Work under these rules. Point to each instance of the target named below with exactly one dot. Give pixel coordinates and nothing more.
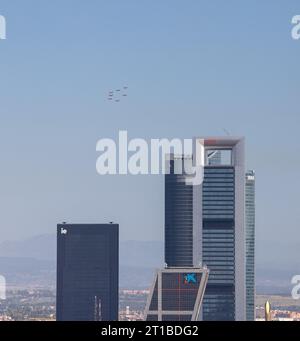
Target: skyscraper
(205, 226)
(250, 245)
(181, 233)
(221, 218)
(87, 272)
(177, 291)
(176, 294)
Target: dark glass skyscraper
(250, 245)
(219, 242)
(180, 236)
(87, 272)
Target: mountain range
(32, 262)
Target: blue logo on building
(190, 278)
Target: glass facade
(218, 242)
(213, 158)
(205, 226)
(176, 295)
(178, 219)
(250, 245)
(87, 272)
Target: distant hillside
(42, 247)
(142, 253)
(271, 256)
(30, 272)
(132, 253)
(32, 261)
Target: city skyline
(149, 163)
(206, 225)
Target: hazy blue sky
(193, 68)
